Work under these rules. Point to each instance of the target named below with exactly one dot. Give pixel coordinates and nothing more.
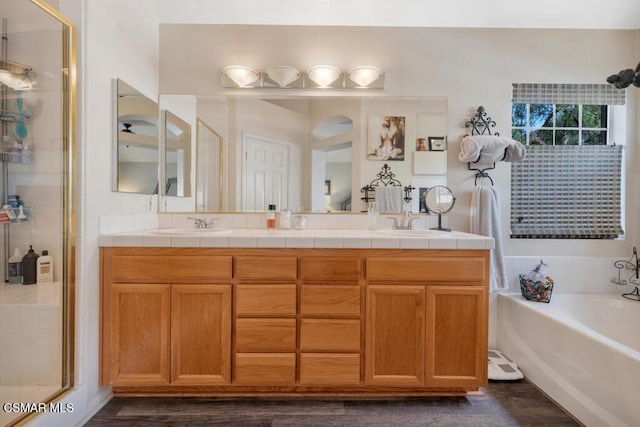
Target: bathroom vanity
(293, 320)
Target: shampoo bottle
(29, 267)
(44, 265)
(15, 267)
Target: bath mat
(502, 368)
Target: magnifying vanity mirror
(136, 145)
(439, 200)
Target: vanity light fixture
(317, 77)
(283, 75)
(241, 76)
(364, 75)
(323, 75)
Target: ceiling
(569, 14)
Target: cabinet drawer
(266, 268)
(329, 268)
(329, 334)
(265, 368)
(471, 269)
(266, 300)
(330, 300)
(170, 269)
(329, 368)
(266, 335)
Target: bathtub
(582, 350)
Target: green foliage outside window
(559, 124)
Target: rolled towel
(490, 149)
(516, 151)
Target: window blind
(567, 93)
(567, 192)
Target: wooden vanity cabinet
(156, 332)
(265, 320)
(427, 321)
(290, 321)
(330, 320)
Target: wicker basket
(535, 290)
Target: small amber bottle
(271, 216)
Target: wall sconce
(317, 77)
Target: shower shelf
(14, 67)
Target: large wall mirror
(136, 144)
(305, 153)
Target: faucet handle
(395, 222)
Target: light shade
(365, 75)
(323, 75)
(283, 75)
(242, 76)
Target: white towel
(490, 149)
(485, 220)
(389, 199)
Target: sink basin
(191, 231)
(413, 233)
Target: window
(559, 124)
(569, 184)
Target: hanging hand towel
(485, 221)
(389, 199)
(490, 149)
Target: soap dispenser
(29, 267)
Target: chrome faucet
(406, 221)
(201, 223)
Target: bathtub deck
(502, 404)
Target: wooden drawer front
(265, 368)
(473, 269)
(330, 268)
(266, 268)
(330, 300)
(266, 300)
(169, 269)
(266, 335)
(329, 368)
(329, 334)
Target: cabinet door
(139, 334)
(395, 335)
(200, 334)
(456, 336)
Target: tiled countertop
(310, 238)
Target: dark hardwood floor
(513, 403)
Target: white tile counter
(310, 238)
